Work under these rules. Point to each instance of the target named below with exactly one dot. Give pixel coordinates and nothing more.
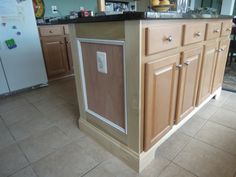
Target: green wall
(65, 6)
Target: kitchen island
(139, 80)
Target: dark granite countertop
(136, 16)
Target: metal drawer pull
(220, 50)
(169, 39)
(198, 34)
(216, 31)
(187, 62)
(50, 31)
(179, 66)
(228, 29)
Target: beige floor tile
(155, 168)
(70, 161)
(225, 117)
(171, 147)
(192, 126)
(70, 128)
(207, 111)
(11, 160)
(218, 136)
(26, 128)
(220, 101)
(206, 161)
(230, 103)
(175, 171)
(99, 171)
(40, 145)
(26, 172)
(91, 147)
(21, 113)
(5, 137)
(11, 102)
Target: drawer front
(66, 29)
(163, 38)
(194, 33)
(226, 28)
(213, 30)
(51, 30)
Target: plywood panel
(105, 92)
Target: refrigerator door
(24, 65)
(3, 82)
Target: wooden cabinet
(55, 56)
(207, 71)
(56, 50)
(160, 98)
(220, 64)
(188, 82)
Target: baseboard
(118, 149)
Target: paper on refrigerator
(8, 8)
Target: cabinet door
(220, 64)
(160, 97)
(188, 83)
(55, 56)
(207, 71)
(69, 53)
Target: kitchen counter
(135, 16)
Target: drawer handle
(228, 29)
(220, 50)
(179, 66)
(198, 34)
(50, 31)
(187, 62)
(170, 39)
(216, 31)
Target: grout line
(185, 169)
(223, 125)
(34, 170)
(92, 169)
(219, 148)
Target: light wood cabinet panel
(207, 71)
(220, 64)
(55, 56)
(160, 97)
(213, 30)
(188, 82)
(226, 28)
(194, 32)
(51, 30)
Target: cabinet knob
(50, 31)
(216, 31)
(228, 29)
(198, 34)
(220, 50)
(170, 38)
(187, 62)
(179, 66)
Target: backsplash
(64, 7)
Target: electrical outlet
(54, 9)
(102, 62)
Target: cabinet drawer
(51, 30)
(194, 33)
(163, 38)
(213, 30)
(226, 28)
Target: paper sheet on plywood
(8, 8)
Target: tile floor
(39, 138)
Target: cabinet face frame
(152, 69)
(103, 119)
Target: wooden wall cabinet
(160, 97)
(56, 50)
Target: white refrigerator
(21, 59)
